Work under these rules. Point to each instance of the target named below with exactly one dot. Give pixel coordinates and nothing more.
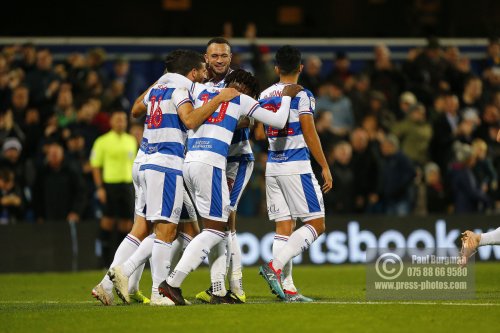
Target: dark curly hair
(243, 77)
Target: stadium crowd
(411, 137)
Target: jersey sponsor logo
(286, 131)
(272, 107)
(156, 114)
(202, 144)
(279, 157)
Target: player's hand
(292, 90)
(228, 94)
(498, 136)
(328, 180)
(101, 195)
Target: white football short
(139, 190)
(295, 197)
(208, 188)
(164, 193)
(238, 174)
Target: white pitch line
(264, 302)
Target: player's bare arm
(258, 131)
(97, 176)
(314, 145)
(193, 118)
(498, 136)
(139, 109)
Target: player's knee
(285, 228)
(140, 229)
(318, 225)
(215, 225)
(189, 228)
(165, 231)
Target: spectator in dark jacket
(59, 189)
(397, 173)
(436, 196)
(467, 192)
(341, 199)
(364, 166)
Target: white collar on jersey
(176, 80)
(219, 84)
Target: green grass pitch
(61, 302)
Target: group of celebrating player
(196, 158)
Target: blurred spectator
(133, 83)
(114, 97)
(262, 59)
(491, 65)
(59, 190)
(445, 130)
(84, 123)
(364, 167)
(437, 108)
(342, 71)
(426, 71)
(436, 197)
(27, 62)
(471, 97)
(310, 77)
(325, 130)
(77, 70)
(371, 125)
(332, 99)
(77, 155)
(33, 129)
(10, 159)
(385, 75)
(483, 169)
(468, 195)
(490, 123)
(9, 128)
(341, 200)
(406, 101)
(378, 108)
(93, 86)
(10, 198)
(43, 82)
(458, 69)
(95, 60)
(415, 134)
(397, 175)
(469, 123)
(64, 109)
(360, 97)
(19, 103)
